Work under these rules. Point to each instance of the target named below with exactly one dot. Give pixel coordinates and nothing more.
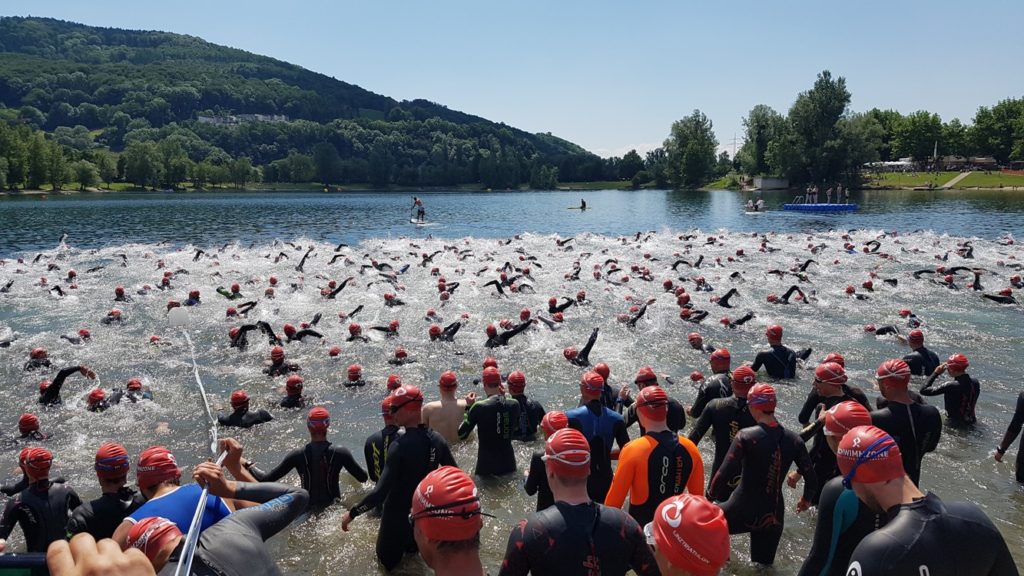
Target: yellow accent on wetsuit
(631, 475)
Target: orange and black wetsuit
(656, 466)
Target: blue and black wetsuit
(601, 426)
(843, 521)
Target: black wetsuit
(319, 465)
(449, 332)
(296, 401)
(410, 458)
(241, 341)
(1012, 431)
(568, 302)
(530, 415)
(244, 418)
(823, 459)
(960, 395)
(503, 338)
(113, 399)
(376, 448)
(602, 426)
(37, 364)
(717, 386)
(582, 539)
(675, 421)
(302, 334)
(583, 357)
(537, 482)
(496, 417)
(281, 368)
(922, 361)
(725, 417)
(916, 428)
(843, 521)
(42, 511)
(102, 516)
(813, 399)
(235, 545)
(778, 362)
(51, 395)
(763, 453)
(928, 537)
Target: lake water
(151, 227)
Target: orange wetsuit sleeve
(695, 484)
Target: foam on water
(957, 321)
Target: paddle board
(417, 222)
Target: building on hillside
(229, 120)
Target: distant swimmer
(278, 366)
(779, 361)
(495, 339)
(234, 294)
(554, 306)
(49, 392)
(921, 360)
(773, 299)
(1005, 296)
(446, 334)
(581, 357)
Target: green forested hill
(103, 88)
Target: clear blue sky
(614, 75)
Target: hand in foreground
(802, 504)
(792, 478)
(86, 557)
(345, 521)
(211, 475)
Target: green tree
(691, 149)
(888, 120)
(917, 135)
(761, 126)
(38, 162)
(860, 138)
(811, 151)
(955, 139)
(57, 166)
(105, 165)
(301, 167)
(143, 164)
(724, 164)
(380, 165)
(327, 163)
(630, 164)
(86, 174)
(656, 163)
(999, 130)
(240, 172)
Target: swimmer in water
(241, 416)
(960, 395)
(494, 339)
(277, 365)
(581, 357)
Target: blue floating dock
(820, 207)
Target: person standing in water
(421, 213)
(583, 204)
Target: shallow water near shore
(146, 228)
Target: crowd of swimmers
(609, 499)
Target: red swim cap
(318, 419)
(394, 382)
(268, 292)
(835, 357)
(592, 382)
(869, 328)
(400, 353)
(43, 385)
(85, 334)
(334, 351)
(682, 300)
(355, 329)
(434, 330)
(277, 353)
(39, 460)
(231, 312)
(134, 384)
(294, 385)
(156, 465)
(446, 506)
(667, 284)
(867, 285)
(491, 330)
(28, 423)
(894, 372)
(355, 371)
(289, 330)
(112, 461)
(762, 396)
(232, 333)
(445, 295)
(581, 295)
(1006, 292)
(567, 454)
(844, 417)
(694, 336)
(38, 353)
(491, 377)
(194, 294)
(948, 278)
(553, 422)
(524, 314)
(773, 298)
(916, 335)
(696, 376)
(170, 304)
(850, 290)
(645, 376)
(151, 535)
(517, 382)
(119, 291)
(273, 280)
(448, 380)
(957, 362)
(904, 312)
(558, 317)
(389, 296)
(407, 395)
(570, 352)
(652, 402)
(774, 332)
(724, 321)
(239, 398)
(830, 373)
(154, 339)
(742, 379)
(867, 455)
(490, 361)
(691, 533)
(96, 395)
(603, 369)
(720, 357)
(431, 312)
(235, 287)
